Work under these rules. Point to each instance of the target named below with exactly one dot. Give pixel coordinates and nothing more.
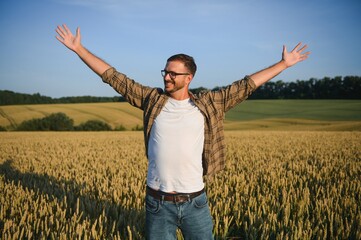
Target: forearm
(96, 64)
(267, 74)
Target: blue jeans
(192, 217)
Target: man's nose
(167, 76)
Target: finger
(284, 52)
(66, 28)
(78, 31)
(60, 32)
(303, 48)
(305, 55)
(297, 46)
(60, 39)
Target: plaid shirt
(212, 104)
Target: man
(183, 135)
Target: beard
(170, 86)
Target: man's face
(173, 82)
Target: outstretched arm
(72, 42)
(288, 59)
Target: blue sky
(228, 39)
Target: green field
(324, 115)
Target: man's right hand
(68, 39)
(72, 42)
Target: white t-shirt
(175, 148)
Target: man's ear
(189, 78)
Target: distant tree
(53, 122)
(137, 128)
(197, 90)
(94, 125)
(88, 99)
(352, 87)
(59, 122)
(35, 124)
(120, 128)
(12, 98)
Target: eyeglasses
(172, 74)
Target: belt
(173, 197)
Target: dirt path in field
(10, 119)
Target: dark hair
(188, 62)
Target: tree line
(12, 98)
(348, 87)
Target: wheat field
(276, 185)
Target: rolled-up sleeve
(234, 93)
(251, 83)
(106, 75)
(133, 92)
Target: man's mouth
(167, 83)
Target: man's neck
(179, 95)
